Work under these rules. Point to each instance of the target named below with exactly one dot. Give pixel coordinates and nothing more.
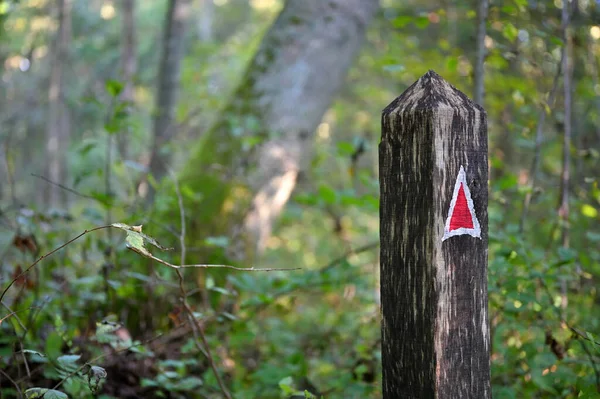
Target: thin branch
(207, 266)
(184, 296)
(13, 382)
(14, 313)
(574, 330)
(181, 217)
(539, 138)
(211, 360)
(66, 188)
(48, 254)
(592, 362)
(346, 255)
(22, 336)
(580, 334)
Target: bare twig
(356, 251)
(13, 382)
(22, 336)
(70, 190)
(207, 266)
(48, 254)
(199, 330)
(582, 335)
(14, 313)
(592, 362)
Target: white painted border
(476, 230)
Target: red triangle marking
(461, 217)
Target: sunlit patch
(24, 64)
(589, 211)
(263, 4)
(107, 11)
(518, 304)
(324, 131)
(595, 32)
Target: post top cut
(431, 92)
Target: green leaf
(327, 194)
(391, 68)
(114, 87)
(346, 148)
(286, 385)
(68, 363)
(592, 236)
(422, 22)
(33, 393)
(510, 32)
(136, 240)
(189, 383)
(40, 354)
(589, 211)
(219, 241)
(96, 375)
(401, 21)
(452, 64)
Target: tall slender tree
(168, 83)
(58, 127)
(565, 174)
(205, 22)
(482, 14)
(128, 62)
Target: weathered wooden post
(434, 240)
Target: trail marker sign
(461, 215)
(433, 174)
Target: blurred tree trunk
(58, 128)
(168, 84)
(128, 63)
(482, 14)
(246, 165)
(205, 24)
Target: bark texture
(435, 333)
(58, 130)
(168, 83)
(292, 80)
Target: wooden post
(434, 240)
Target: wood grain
(435, 333)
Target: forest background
(245, 133)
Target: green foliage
(311, 333)
(37, 393)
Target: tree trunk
(291, 82)
(482, 14)
(205, 23)
(168, 84)
(58, 131)
(128, 63)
